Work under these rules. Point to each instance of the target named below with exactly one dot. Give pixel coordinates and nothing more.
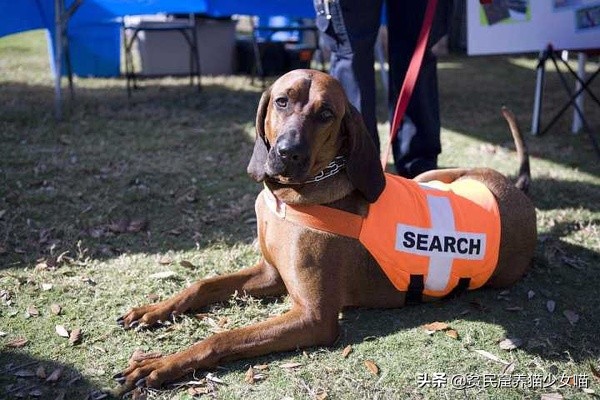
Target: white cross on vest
(442, 243)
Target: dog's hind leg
(260, 280)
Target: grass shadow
(523, 312)
(24, 376)
(552, 194)
(164, 170)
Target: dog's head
(303, 122)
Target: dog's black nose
(291, 151)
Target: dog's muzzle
(288, 158)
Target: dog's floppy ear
(257, 165)
(363, 165)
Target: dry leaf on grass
(54, 376)
(249, 376)
(153, 297)
(101, 395)
(64, 139)
(47, 287)
(198, 390)
(213, 378)
(163, 275)
(346, 352)
(595, 371)
(61, 331)
(574, 262)
(41, 266)
(510, 343)
(570, 381)
(508, 369)
(551, 305)
(88, 280)
(321, 394)
(40, 372)
(435, 326)
(514, 308)
(124, 225)
(139, 394)
(252, 376)
(551, 396)
(530, 294)
(24, 373)
(490, 356)
(165, 260)
(372, 367)
(119, 226)
(452, 333)
(572, 316)
(17, 343)
(215, 327)
(62, 257)
(55, 309)
(75, 336)
(187, 264)
(291, 365)
(440, 326)
(33, 311)
(137, 225)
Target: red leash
(411, 77)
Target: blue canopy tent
(94, 26)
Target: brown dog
(304, 122)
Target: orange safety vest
(444, 233)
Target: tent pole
(58, 40)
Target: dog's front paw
(151, 372)
(147, 315)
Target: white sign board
(519, 26)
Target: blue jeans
(351, 32)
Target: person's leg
(351, 33)
(418, 142)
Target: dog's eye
(281, 102)
(326, 115)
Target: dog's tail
(524, 177)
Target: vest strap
(459, 289)
(414, 293)
(316, 216)
(325, 219)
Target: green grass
(173, 160)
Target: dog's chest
(274, 232)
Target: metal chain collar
(335, 166)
